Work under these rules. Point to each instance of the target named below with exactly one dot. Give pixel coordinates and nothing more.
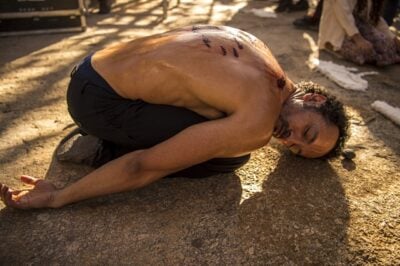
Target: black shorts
(126, 125)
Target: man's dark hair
(333, 111)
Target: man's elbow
(138, 175)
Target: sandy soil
(278, 209)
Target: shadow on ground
(175, 221)
(300, 216)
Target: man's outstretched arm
(116, 176)
(219, 138)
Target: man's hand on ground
(41, 195)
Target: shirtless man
(193, 101)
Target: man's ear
(313, 99)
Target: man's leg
(311, 20)
(147, 125)
(122, 125)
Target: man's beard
(281, 130)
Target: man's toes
(79, 149)
(8, 197)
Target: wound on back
(235, 52)
(223, 50)
(281, 82)
(240, 46)
(206, 41)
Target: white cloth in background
(267, 12)
(343, 76)
(393, 113)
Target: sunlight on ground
(126, 20)
(361, 134)
(32, 67)
(214, 13)
(254, 174)
(314, 52)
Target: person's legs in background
(105, 6)
(311, 20)
(291, 6)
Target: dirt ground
(278, 209)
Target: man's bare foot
(79, 148)
(41, 195)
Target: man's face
(305, 132)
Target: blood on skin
(235, 52)
(206, 41)
(223, 50)
(281, 82)
(240, 46)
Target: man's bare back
(214, 71)
(225, 75)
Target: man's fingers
(4, 192)
(6, 195)
(3, 189)
(8, 198)
(30, 180)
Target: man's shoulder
(258, 116)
